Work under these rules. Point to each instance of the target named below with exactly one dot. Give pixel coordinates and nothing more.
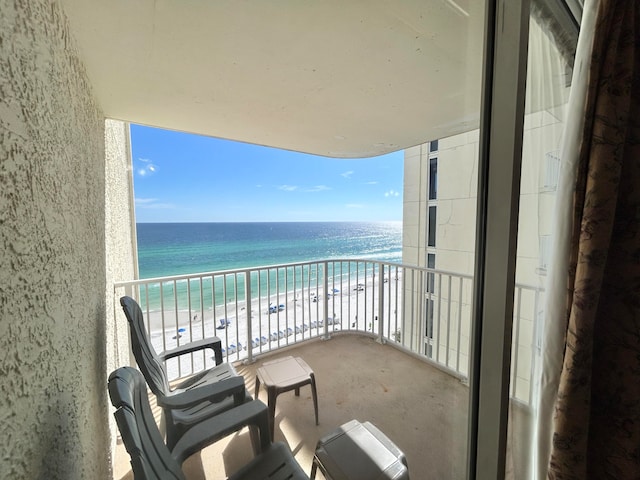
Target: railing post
(248, 303)
(325, 302)
(380, 315)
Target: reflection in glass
(548, 85)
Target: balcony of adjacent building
(388, 343)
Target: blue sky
(180, 177)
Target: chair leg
(163, 425)
(169, 430)
(255, 440)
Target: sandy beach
(282, 320)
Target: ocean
(284, 302)
(166, 249)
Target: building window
(431, 277)
(431, 234)
(433, 178)
(433, 146)
(428, 330)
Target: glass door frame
(500, 158)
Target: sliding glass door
(527, 81)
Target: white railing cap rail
(189, 276)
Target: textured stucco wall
(53, 407)
(119, 245)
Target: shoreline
(297, 315)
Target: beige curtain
(597, 410)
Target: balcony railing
(425, 312)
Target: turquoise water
(166, 249)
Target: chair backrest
(150, 457)
(146, 357)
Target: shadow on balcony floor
(422, 409)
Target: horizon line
(276, 221)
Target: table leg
(257, 387)
(314, 467)
(271, 404)
(315, 395)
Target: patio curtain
(596, 421)
(549, 363)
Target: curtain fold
(555, 308)
(597, 410)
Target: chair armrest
(212, 392)
(253, 413)
(212, 342)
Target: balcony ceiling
(341, 79)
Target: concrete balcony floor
(420, 408)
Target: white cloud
(391, 193)
(295, 188)
(146, 168)
(152, 203)
(318, 188)
(347, 174)
(140, 201)
(371, 183)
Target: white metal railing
(426, 312)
